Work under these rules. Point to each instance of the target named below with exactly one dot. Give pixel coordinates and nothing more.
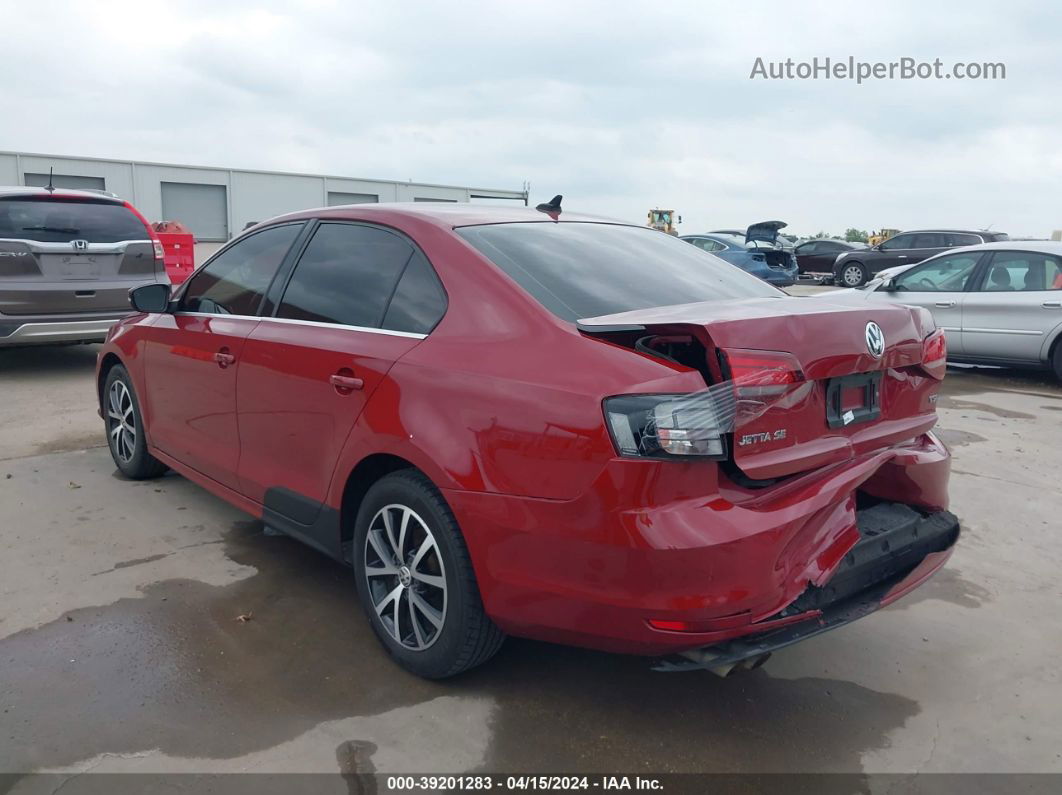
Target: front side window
(584, 270)
(346, 275)
(1023, 271)
(897, 243)
(234, 282)
(945, 274)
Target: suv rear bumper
(35, 332)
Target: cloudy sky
(619, 106)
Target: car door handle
(224, 358)
(346, 382)
(944, 304)
(901, 256)
(1052, 304)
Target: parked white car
(998, 303)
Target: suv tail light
(935, 354)
(160, 253)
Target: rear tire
(125, 428)
(853, 274)
(415, 579)
(1056, 360)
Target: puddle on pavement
(176, 671)
(958, 438)
(946, 402)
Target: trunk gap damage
(782, 422)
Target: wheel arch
(368, 471)
(107, 363)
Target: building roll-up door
(201, 208)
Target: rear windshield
(583, 270)
(60, 221)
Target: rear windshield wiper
(60, 230)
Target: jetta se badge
(875, 339)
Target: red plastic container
(178, 246)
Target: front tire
(1056, 360)
(853, 274)
(415, 579)
(125, 428)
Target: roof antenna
(50, 188)
(552, 207)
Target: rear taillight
(761, 373)
(159, 252)
(935, 354)
(667, 426)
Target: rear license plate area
(852, 399)
(73, 266)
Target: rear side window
(234, 282)
(583, 270)
(419, 301)
(60, 221)
(346, 275)
(959, 239)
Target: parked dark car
(545, 425)
(856, 268)
(818, 256)
(757, 250)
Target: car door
(1016, 306)
(807, 261)
(191, 357)
(309, 369)
(896, 250)
(940, 286)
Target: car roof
(446, 214)
(957, 231)
(1034, 246)
(17, 191)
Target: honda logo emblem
(79, 245)
(875, 339)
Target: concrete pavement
(122, 648)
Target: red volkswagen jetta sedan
(510, 421)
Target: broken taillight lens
(761, 373)
(666, 426)
(935, 354)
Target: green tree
(853, 235)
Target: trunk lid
(764, 231)
(845, 400)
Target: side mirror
(150, 298)
(889, 285)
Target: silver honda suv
(67, 262)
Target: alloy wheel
(405, 576)
(121, 421)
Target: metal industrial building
(216, 203)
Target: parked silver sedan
(998, 303)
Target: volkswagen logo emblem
(79, 245)
(875, 339)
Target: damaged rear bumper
(899, 549)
